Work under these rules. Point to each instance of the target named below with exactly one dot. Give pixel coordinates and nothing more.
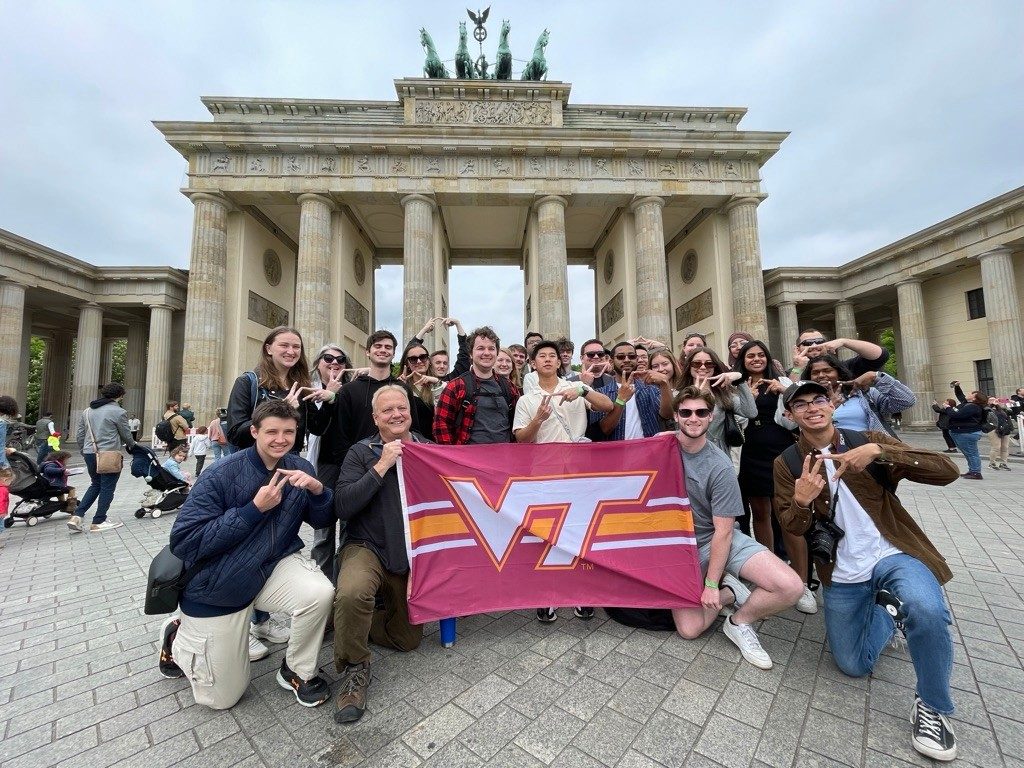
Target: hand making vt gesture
(270, 495)
(626, 388)
(810, 483)
(331, 388)
(292, 398)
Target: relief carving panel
(356, 313)
(454, 111)
(265, 312)
(696, 309)
(612, 312)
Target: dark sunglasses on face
(811, 342)
(331, 359)
(625, 357)
(594, 355)
(702, 413)
(702, 364)
(417, 358)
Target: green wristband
(620, 403)
(710, 584)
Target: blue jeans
(858, 629)
(44, 449)
(967, 442)
(217, 450)
(102, 486)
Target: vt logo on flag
(499, 527)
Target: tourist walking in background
(187, 414)
(176, 431)
(103, 426)
(999, 436)
(200, 447)
(44, 428)
(966, 420)
(218, 435)
(135, 426)
(942, 422)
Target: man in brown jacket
(881, 573)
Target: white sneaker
(274, 630)
(738, 588)
(807, 602)
(107, 525)
(745, 638)
(75, 524)
(257, 650)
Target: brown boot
(351, 701)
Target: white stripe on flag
(439, 545)
(532, 540)
(428, 505)
(629, 543)
(680, 500)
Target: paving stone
(666, 738)
(430, 697)
(480, 697)
(535, 695)
(585, 698)
(607, 736)
(571, 757)
(637, 699)
(828, 735)
(691, 701)
(780, 735)
(56, 751)
(549, 734)
(744, 703)
(728, 742)
(135, 743)
(514, 756)
(437, 729)
(492, 732)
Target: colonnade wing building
(296, 203)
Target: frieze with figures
(548, 166)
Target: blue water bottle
(447, 632)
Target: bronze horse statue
(463, 63)
(537, 68)
(433, 67)
(503, 66)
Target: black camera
(823, 539)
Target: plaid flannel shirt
(453, 424)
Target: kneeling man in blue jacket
(238, 535)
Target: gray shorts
(743, 548)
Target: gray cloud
(901, 114)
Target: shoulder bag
(107, 462)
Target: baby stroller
(38, 497)
(166, 492)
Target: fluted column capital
(1001, 251)
(639, 202)
(420, 197)
(317, 198)
(912, 280)
(211, 197)
(743, 200)
(549, 200)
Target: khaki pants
(999, 448)
(360, 576)
(214, 653)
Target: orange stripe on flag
(429, 526)
(645, 522)
(541, 527)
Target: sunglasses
(594, 355)
(811, 342)
(417, 358)
(702, 364)
(800, 406)
(331, 359)
(701, 413)
(625, 357)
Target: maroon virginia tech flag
(501, 527)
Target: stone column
(1002, 315)
(846, 325)
(551, 316)
(418, 264)
(749, 313)
(789, 330)
(135, 369)
(58, 382)
(915, 357)
(652, 306)
(12, 319)
(158, 364)
(313, 275)
(85, 385)
(107, 361)
(202, 376)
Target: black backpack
(164, 431)
(853, 439)
(473, 392)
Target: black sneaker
(167, 632)
(583, 612)
(309, 693)
(933, 735)
(546, 615)
(894, 607)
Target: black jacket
(240, 407)
(371, 505)
(351, 417)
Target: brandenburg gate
(298, 201)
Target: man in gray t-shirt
(725, 553)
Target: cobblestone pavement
(79, 683)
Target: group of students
(814, 462)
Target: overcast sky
(901, 114)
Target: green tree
(888, 341)
(117, 368)
(37, 350)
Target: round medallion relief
(359, 267)
(689, 266)
(609, 267)
(272, 267)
